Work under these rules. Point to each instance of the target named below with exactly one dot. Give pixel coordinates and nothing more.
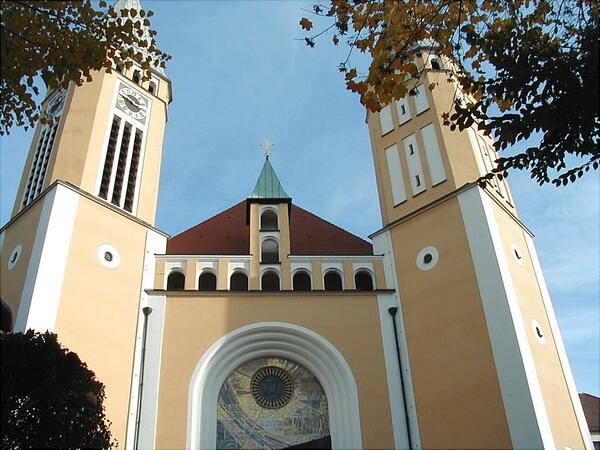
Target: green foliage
(65, 41)
(528, 68)
(50, 399)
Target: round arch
(305, 284)
(365, 276)
(331, 284)
(176, 280)
(277, 339)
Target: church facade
(266, 326)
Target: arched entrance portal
(273, 340)
(272, 403)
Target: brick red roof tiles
(311, 235)
(591, 410)
(228, 234)
(223, 234)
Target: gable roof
(268, 185)
(228, 233)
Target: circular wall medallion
(108, 256)
(272, 387)
(538, 331)
(427, 258)
(14, 257)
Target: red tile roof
(591, 410)
(228, 234)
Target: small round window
(108, 256)
(14, 257)
(427, 258)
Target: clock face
(56, 104)
(271, 403)
(132, 102)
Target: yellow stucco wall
(449, 348)
(254, 281)
(193, 324)
(21, 232)
(97, 316)
(549, 369)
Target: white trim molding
(43, 284)
(526, 415)
(155, 243)
(558, 342)
(382, 243)
(273, 339)
(154, 340)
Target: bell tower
(78, 250)
(482, 353)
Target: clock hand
(133, 100)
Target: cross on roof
(267, 145)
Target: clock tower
(78, 250)
(483, 358)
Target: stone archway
(273, 340)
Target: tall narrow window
(176, 281)
(238, 281)
(269, 251)
(152, 87)
(433, 154)
(270, 281)
(403, 110)
(435, 64)
(109, 159)
(363, 281)
(45, 160)
(121, 163)
(420, 97)
(28, 196)
(385, 120)
(333, 281)
(395, 173)
(268, 221)
(207, 282)
(136, 77)
(120, 174)
(39, 165)
(301, 281)
(133, 170)
(413, 161)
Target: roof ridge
(332, 224)
(210, 218)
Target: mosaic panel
(244, 424)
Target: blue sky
(240, 73)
